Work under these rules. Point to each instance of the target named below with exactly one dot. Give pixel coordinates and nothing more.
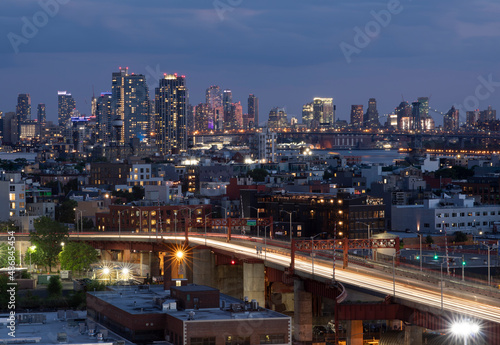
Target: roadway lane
(419, 295)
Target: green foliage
(65, 212)
(455, 172)
(77, 256)
(4, 296)
(95, 285)
(258, 175)
(29, 301)
(8, 226)
(47, 238)
(460, 237)
(429, 239)
(55, 286)
(87, 223)
(4, 255)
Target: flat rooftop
(135, 301)
(50, 331)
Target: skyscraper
(253, 111)
(130, 103)
(41, 115)
(472, 117)
(23, 108)
(236, 116)
(324, 111)
(307, 115)
(227, 100)
(213, 96)
(171, 99)
(488, 115)
(451, 120)
(65, 106)
(203, 117)
(416, 123)
(277, 118)
(403, 113)
(104, 116)
(371, 117)
(357, 115)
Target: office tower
(416, 123)
(371, 117)
(65, 106)
(23, 108)
(307, 115)
(424, 107)
(253, 111)
(130, 104)
(10, 131)
(203, 117)
(227, 100)
(213, 96)
(41, 115)
(266, 146)
(171, 99)
(324, 111)
(488, 115)
(357, 115)
(234, 117)
(451, 120)
(472, 117)
(104, 116)
(277, 118)
(403, 113)
(218, 116)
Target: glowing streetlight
(105, 270)
(180, 255)
(465, 329)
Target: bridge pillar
(355, 332)
(154, 264)
(125, 255)
(203, 267)
(254, 282)
(229, 280)
(413, 335)
(106, 255)
(302, 318)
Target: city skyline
(293, 52)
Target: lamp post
(312, 251)
(119, 224)
(420, 238)
(32, 249)
(368, 234)
(225, 215)
(265, 241)
(258, 227)
(291, 230)
(394, 273)
(81, 221)
(210, 214)
(442, 302)
(465, 329)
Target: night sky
(284, 51)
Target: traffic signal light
(435, 256)
(233, 262)
(463, 262)
(417, 257)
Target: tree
(65, 212)
(77, 256)
(48, 236)
(460, 237)
(4, 255)
(7, 226)
(55, 286)
(259, 174)
(429, 239)
(455, 172)
(137, 194)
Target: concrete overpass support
(254, 282)
(203, 267)
(355, 332)
(302, 319)
(413, 335)
(106, 255)
(229, 280)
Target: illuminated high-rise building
(451, 120)
(41, 114)
(371, 119)
(357, 115)
(253, 111)
(307, 115)
(324, 111)
(227, 100)
(416, 123)
(213, 96)
(171, 99)
(403, 113)
(277, 118)
(472, 117)
(488, 115)
(130, 104)
(203, 117)
(234, 119)
(23, 108)
(65, 106)
(104, 116)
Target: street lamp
(119, 223)
(465, 329)
(225, 214)
(258, 228)
(81, 221)
(368, 234)
(32, 249)
(291, 230)
(442, 302)
(312, 250)
(394, 273)
(210, 214)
